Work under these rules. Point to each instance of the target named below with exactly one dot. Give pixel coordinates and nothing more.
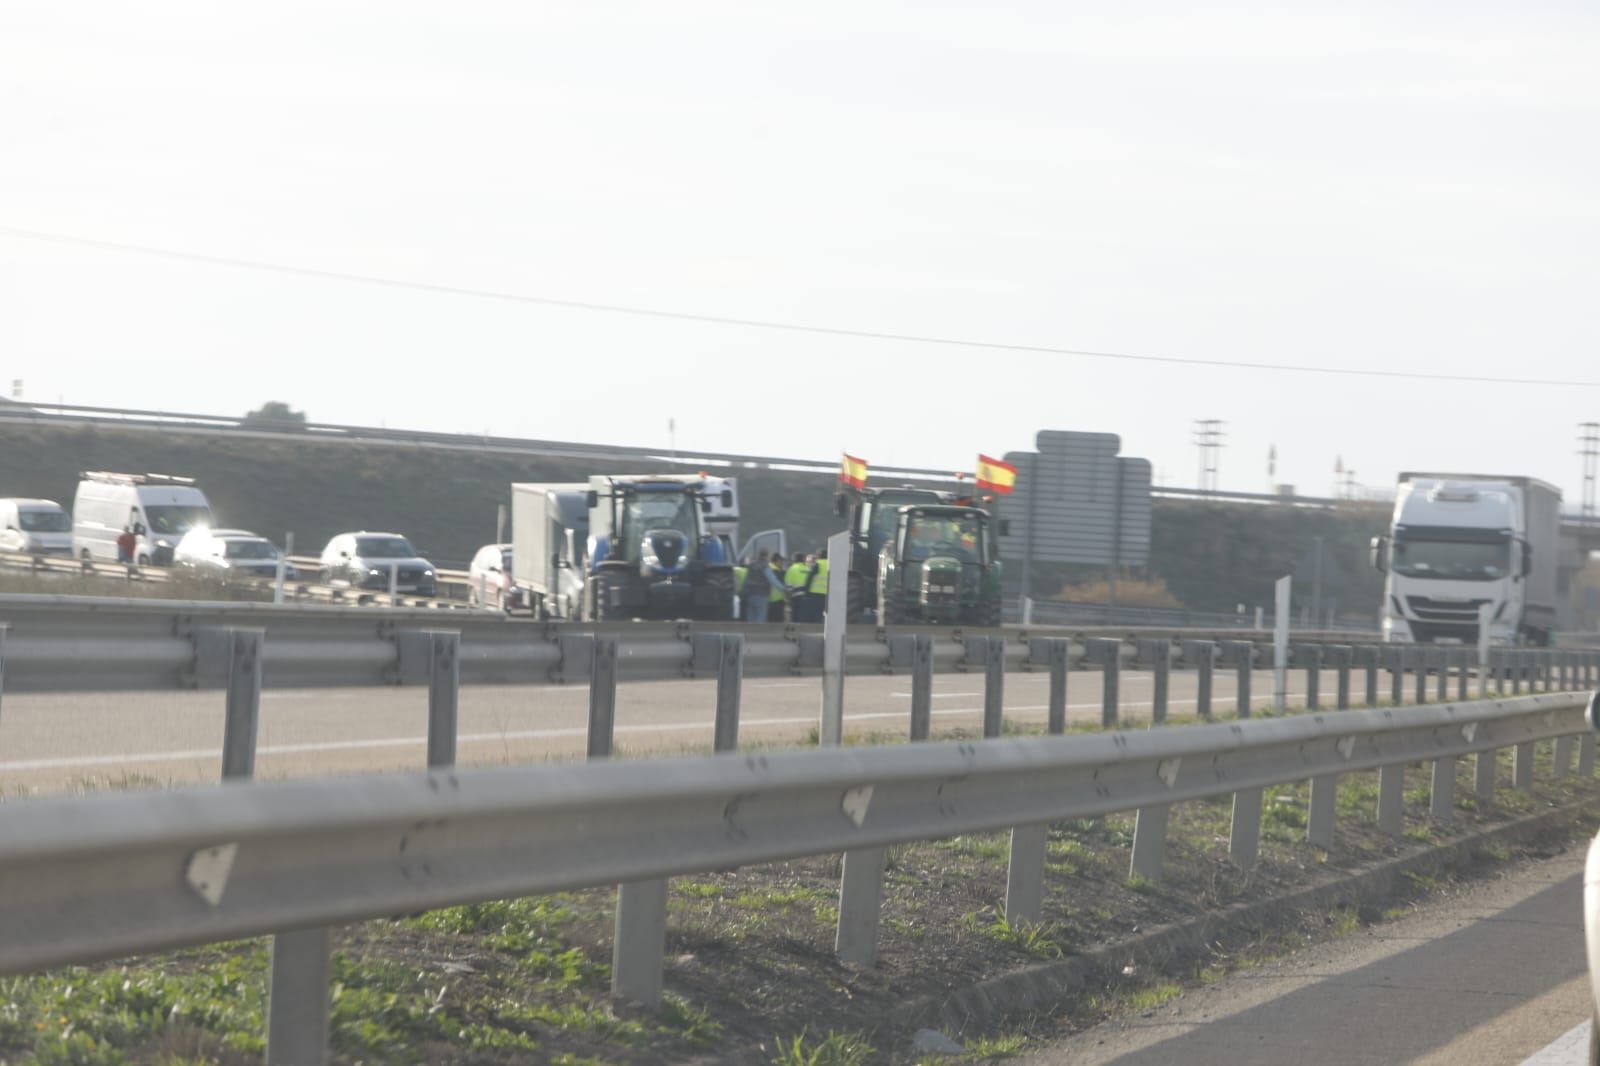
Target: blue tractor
(650, 553)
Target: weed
(1152, 996)
(988, 846)
(694, 1024)
(1140, 884)
(1035, 938)
(1342, 921)
(831, 1049)
(991, 1048)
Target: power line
(756, 323)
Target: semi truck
(549, 536)
(1460, 542)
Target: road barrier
(104, 876)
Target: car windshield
(930, 535)
(44, 521)
(385, 548)
(164, 518)
(1458, 560)
(249, 549)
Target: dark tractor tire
(989, 614)
(891, 612)
(597, 593)
(855, 609)
(722, 610)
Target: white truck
(549, 531)
(158, 508)
(1459, 542)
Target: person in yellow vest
(778, 601)
(815, 596)
(740, 572)
(794, 579)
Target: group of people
(772, 589)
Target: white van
(158, 508)
(37, 527)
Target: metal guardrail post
(1516, 664)
(1343, 657)
(994, 686)
(1547, 659)
(602, 696)
(1056, 654)
(1441, 659)
(1161, 665)
(1485, 767)
(1586, 756)
(1522, 767)
(1420, 657)
(1497, 667)
(1442, 805)
(1108, 654)
(1244, 831)
(5, 630)
(1204, 655)
(1463, 674)
(1371, 659)
(298, 996)
(730, 679)
(1391, 799)
(1149, 842)
(1312, 655)
(921, 686)
(444, 691)
(1562, 757)
(1564, 663)
(1320, 810)
(1397, 674)
(243, 714)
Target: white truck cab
(1462, 542)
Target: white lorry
(1459, 542)
(549, 531)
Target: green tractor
(873, 514)
(940, 567)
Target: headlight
(375, 572)
(427, 573)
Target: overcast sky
(1380, 186)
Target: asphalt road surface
(1492, 976)
(58, 741)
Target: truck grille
(1460, 612)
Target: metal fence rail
(102, 876)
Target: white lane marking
(69, 762)
(1568, 1049)
(777, 684)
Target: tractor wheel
(722, 609)
(891, 612)
(598, 592)
(855, 599)
(989, 614)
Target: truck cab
(1457, 545)
(651, 553)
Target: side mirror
(1380, 554)
(727, 497)
(705, 506)
(592, 498)
(344, 555)
(1527, 558)
(138, 530)
(12, 529)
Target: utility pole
(1272, 468)
(1589, 438)
(1208, 434)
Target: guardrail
(104, 876)
(71, 643)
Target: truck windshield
(1456, 560)
(43, 521)
(171, 519)
(932, 535)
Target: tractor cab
(939, 567)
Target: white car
(489, 581)
(230, 554)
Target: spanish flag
(853, 472)
(995, 476)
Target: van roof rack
(113, 478)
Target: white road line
(86, 761)
(1569, 1049)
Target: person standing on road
(778, 600)
(757, 589)
(125, 545)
